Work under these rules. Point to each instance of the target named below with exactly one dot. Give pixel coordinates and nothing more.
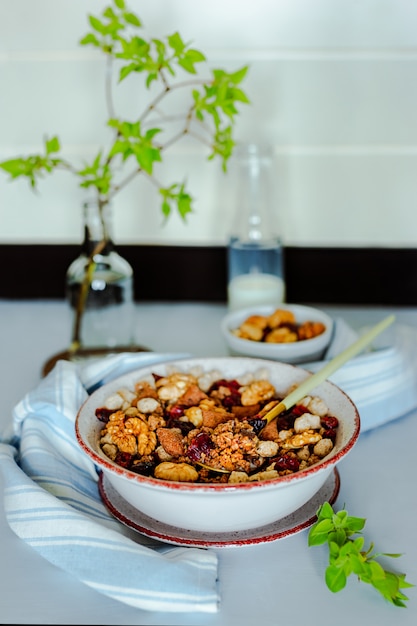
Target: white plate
(294, 523)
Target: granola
(199, 427)
(279, 327)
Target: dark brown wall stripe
(368, 276)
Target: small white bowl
(215, 507)
(294, 352)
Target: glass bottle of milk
(255, 254)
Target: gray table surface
(268, 584)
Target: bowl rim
(107, 465)
(307, 344)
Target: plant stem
(76, 343)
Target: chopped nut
(281, 335)
(323, 447)
(171, 441)
(266, 475)
(194, 415)
(301, 439)
(238, 477)
(148, 405)
(114, 402)
(306, 421)
(182, 472)
(258, 391)
(267, 448)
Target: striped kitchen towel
(52, 501)
(381, 381)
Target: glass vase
(99, 286)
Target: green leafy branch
(209, 116)
(347, 555)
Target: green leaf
(120, 4)
(96, 24)
(126, 70)
(90, 38)
(346, 555)
(355, 524)
(176, 43)
(325, 511)
(52, 145)
(132, 19)
(239, 75)
(335, 578)
(319, 532)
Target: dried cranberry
(175, 411)
(222, 382)
(285, 462)
(201, 444)
(233, 400)
(285, 422)
(329, 422)
(330, 433)
(298, 410)
(124, 459)
(103, 414)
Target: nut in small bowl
(292, 333)
(151, 454)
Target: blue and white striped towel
(381, 382)
(52, 502)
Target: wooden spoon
(315, 379)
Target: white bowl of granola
(156, 432)
(292, 333)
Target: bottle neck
(97, 228)
(255, 221)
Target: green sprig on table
(347, 555)
(208, 113)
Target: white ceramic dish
(294, 523)
(295, 352)
(220, 507)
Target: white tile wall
(333, 85)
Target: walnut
(301, 439)
(258, 391)
(156, 421)
(182, 472)
(252, 328)
(125, 441)
(281, 335)
(279, 317)
(130, 434)
(308, 330)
